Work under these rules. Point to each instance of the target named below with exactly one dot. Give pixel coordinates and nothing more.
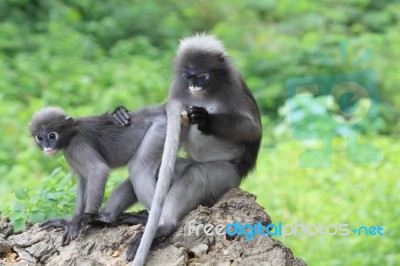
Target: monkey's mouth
(49, 151)
(195, 89)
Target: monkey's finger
(133, 247)
(118, 120)
(124, 120)
(57, 223)
(122, 112)
(196, 119)
(195, 109)
(65, 239)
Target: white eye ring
(38, 138)
(52, 135)
(204, 75)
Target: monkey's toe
(133, 247)
(54, 223)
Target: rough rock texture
(106, 246)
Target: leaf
(37, 217)
(18, 224)
(54, 195)
(21, 194)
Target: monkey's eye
(204, 76)
(187, 76)
(52, 135)
(38, 138)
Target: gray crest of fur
(44, 116)
(201, 42)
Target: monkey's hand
(120, 116)
(199, 116)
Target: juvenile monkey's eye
(52, 135)
(203, 76)
(187, 76)
(39, 138)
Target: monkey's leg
(143, 167)
(71, 226)
(200, 183)
(122, 197)
(142, 216)
(96, 175)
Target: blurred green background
(91, 56)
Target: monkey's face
(196, 80)
(48, 141)
(201, 70)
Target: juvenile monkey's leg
(200, 183)
(122, 197)
(79, 207)
(93, 197)
(71, 226)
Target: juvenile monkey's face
(47, 141)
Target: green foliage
(346, 193)
(53, 198)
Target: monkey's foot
(109, 219)
(133, 246)
(54, 223)
(133, 218)
(72, 228)
(120, 116)
(103, 219)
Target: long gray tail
(171, 147)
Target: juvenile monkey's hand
(120, 116)
(199, 116)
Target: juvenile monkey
(92, 146)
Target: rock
(5, 227)
(199, 240)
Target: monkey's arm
(232, 126)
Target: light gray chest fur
(205, 148)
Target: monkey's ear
(69, 119)
(222, 57)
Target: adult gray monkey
(92, 146)
(221, 141)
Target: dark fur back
(116, 144)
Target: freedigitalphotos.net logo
(342, 104)
(249, 231)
